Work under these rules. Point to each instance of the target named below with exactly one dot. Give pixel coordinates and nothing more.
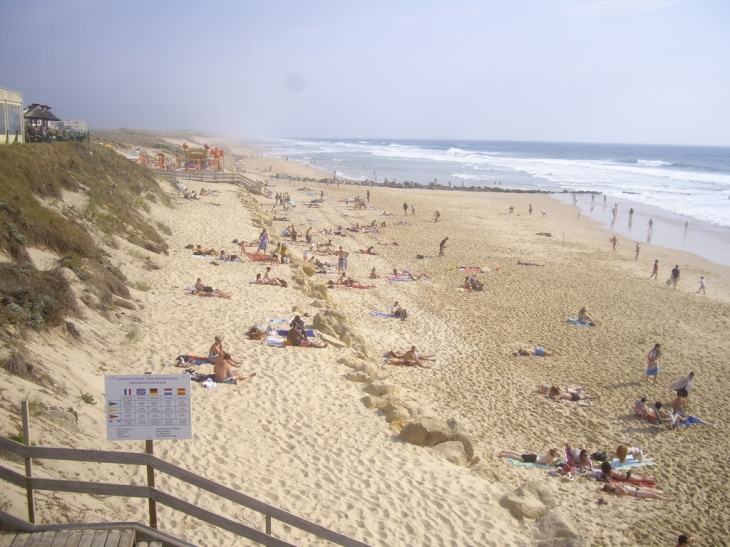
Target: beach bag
(669, 282)
(599, 457)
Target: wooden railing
(232, 178)
(149, 492)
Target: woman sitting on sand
(467, 284)
(201, 287)
(297, 338)
(275, 281)
(548, 459)
(557, 394)
(608, 473)
(623, 490)
(584, 318)
(374, 274)
(537, 352)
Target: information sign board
(148, 407)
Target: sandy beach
(299, 436)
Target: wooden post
(268, 525)
(28, 462)
(149, 449)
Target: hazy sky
(637, 71)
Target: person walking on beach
(405, 209)
(263, 242)
(341, 261)
(367, 196)
(413, 210)
(652, 362)
(675, 276)
(529, 208)
(442, 247)
(436, 216)
(651, 225)
(614, 242)
(655, 270)
(638, 248)
(702, 286)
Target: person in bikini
(548, 459)
(623, 490)
(608, 473)
(557, 394)
(374, 274)
(297, 337)
(201, 287)
(409, 359)
(414, 351)
(537, 352)
(623, 452)
(529, 263)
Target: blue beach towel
(577, 323)
(278, 321)
(518, 463)
(691, 420)
(381, 314)
(629, 463)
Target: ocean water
(689, 181)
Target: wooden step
(71, 538)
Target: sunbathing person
(467, 284)
(609, 473)
(475, 283)
(224, 373)
(420, 356)
(199, 251)
(557, 394)
(417, 277)
(623, 452)
(584, 318)
(409, 359)
(297, 338)
(271, 280)
(374, 274)
(529, 263)
(623, 490)
(537, 352)
(275, 281)
(201, 287)
(231, 258)
(548, 459)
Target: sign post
(148, 407)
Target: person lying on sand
(207, 289)
(608, 473)
(199, 251)
(537, 352)
(409, 359)
(584, 318)
(529, 263)
(623, 490)
(548, 459)
(298, 338)
(232, 258)
(368, 251)
(417, 277)
(557, 394)
(414, 351)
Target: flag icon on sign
(113, 404)
(153, 391)
(168, 391)
(181, 391)
(113, 417)
(141, 391)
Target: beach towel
(518, 463)
(365, 252)
(359, 286)
(284, 332)
(278, 321)
(274, 341)
(691, 420)
(629, 463)
(578, 323)
(382, 314)
(255, 257)
(184, 360)
(403, 279)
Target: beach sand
(299, 436)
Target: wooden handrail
(133, 458)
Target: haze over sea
(671, 184)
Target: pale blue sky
(637, 71)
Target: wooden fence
(151, 493)
(232, 178)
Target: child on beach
(652, 362)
